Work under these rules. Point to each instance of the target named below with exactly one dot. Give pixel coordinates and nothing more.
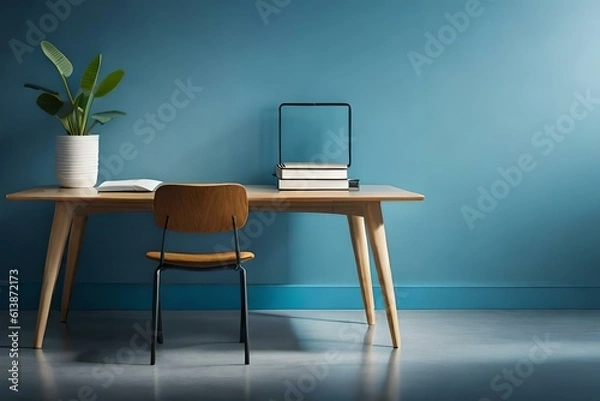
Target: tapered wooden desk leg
(56, 245)
(361, 255)
(73, 251)
(376, 229)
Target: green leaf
(105, 116)
(77, 113)
(90, 76)
(51, 104)
(109, 83)
(40, 88)
(65, 110)
(61, 61)
(81, 101)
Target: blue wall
(448, 117)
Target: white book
(312, 173)
(308, 185)
(141, 185)
(312, 165)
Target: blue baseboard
(223, 297)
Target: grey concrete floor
(312, 355)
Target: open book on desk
(141, 185)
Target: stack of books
(312, 176)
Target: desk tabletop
(256, 193)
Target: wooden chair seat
(200, 260)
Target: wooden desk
(72, 206)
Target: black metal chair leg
(160, 325)
(244, 318)
(242, 314)
(155, 312)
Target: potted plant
(77, 151)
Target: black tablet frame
(320, 104)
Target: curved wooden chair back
(200, 208)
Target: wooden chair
(208, 208)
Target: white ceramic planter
(77, 160)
